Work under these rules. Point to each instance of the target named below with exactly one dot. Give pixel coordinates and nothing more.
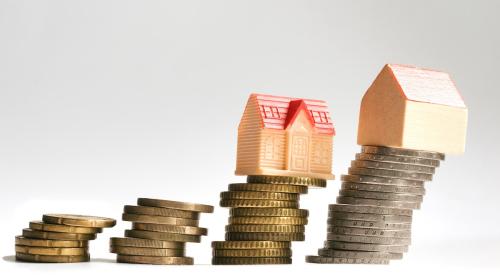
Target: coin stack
(371, 222)
(160, 230)
(264, 219)
(59, 238)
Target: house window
(319, 116)
(270, 111)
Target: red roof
(426, 85)
(278, 112)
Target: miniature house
(413, 108)
(286, 137)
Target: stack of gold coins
(160, 230)
(59, 238)
(264, 219)
(371, 221)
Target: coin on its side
(36, 234)
(20, 240)
(358, 254)
(258, 203)
(382, 150)
(39, 225)
(78, 220)
(164, 236)
(176, 205)
(268, 212)
(385, 203)
(369, 209)
(250, 261)
(264, 236)
(368, 247)
(396, 233)
(158, 220)
(398, 159)
(381, 196)
(332, 260)
(369, 217)
(386, 188)
(146, 243)
(368, 224)
(254, 195)
(253, 253)
(268, 220)
(250, 245)
(159, 211)
(358, 178)
(268, 187)
(286, 228)
(134, 259)
(390, 174)
(393, 166)
(365, 239)
(70, 251)
(146, 251)
(51, 259)
(305, 181)
(177, 229)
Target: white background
(102, 102)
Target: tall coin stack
(59, 238)
(371, 222)
(264, 219)
(160, 230)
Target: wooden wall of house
(249, 137)
(273, 149)
(321, 153)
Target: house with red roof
(285, 136)
(414, 108)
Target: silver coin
(332, 260)
(380, 196)
(390, 174)
(366, 239)
(386, 188)
(382, 150)
(398, 159)
(369, 209)
(396, 233)
(393, 166)
(382, 180)
(385, 203)
(325, 252)
(368, 247)
(368, 224)
(369, 217)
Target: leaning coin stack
(59, 238)
(371, 222)
(160, 230)
(264, 219)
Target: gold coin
(268, 220)
(20, 240)
(135, 242)
(250, 245)
(286, 228)
(268, 212)
(177, 229)
(154, 260)
(176, 205)
(162, 236)
(158, 219)
(253, 253)
(265, 187)
(36, 234)
(259, 203)
(146, 251)
(264, 236)
(304, 181)
(78, 220)
(249, 261)
(159, 211)
(66, 251)
(39, 225)
(51, 259)
(252, 195)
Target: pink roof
(427, 85)
(278, 112)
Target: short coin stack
(160, 230)
(371, 222)
(59, 238)
(264, 219)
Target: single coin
(368, 224)
(177, 229)
(164, 236)
(159, 211)
(304, 181)
(393, 166)
(381, 150)
(390, 174)
(135, 242)
(385, 203)
(51, 259)
(358, 254)
(253, 253)
(250, 245)
(396, 233)
(368, 247)
(78, 220)
(176, 205)
(253, 195)
(36, 234)
(268, 220)
(250, 261)
(398, 159)
(158, 220)
(332, 260)
(268, 212)
(133, 259)
(369, 209)
(51, 250)
(382, 180)
(41, 226)
(264, 187)
(146, 251)
(365, 239)
(383, 188)
(264, 236)
(369, 217)
(259, 203)
(381, 195)
(20, 240)
(265, 228)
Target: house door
(299, 153)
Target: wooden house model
(286, 137)
(414, 108)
